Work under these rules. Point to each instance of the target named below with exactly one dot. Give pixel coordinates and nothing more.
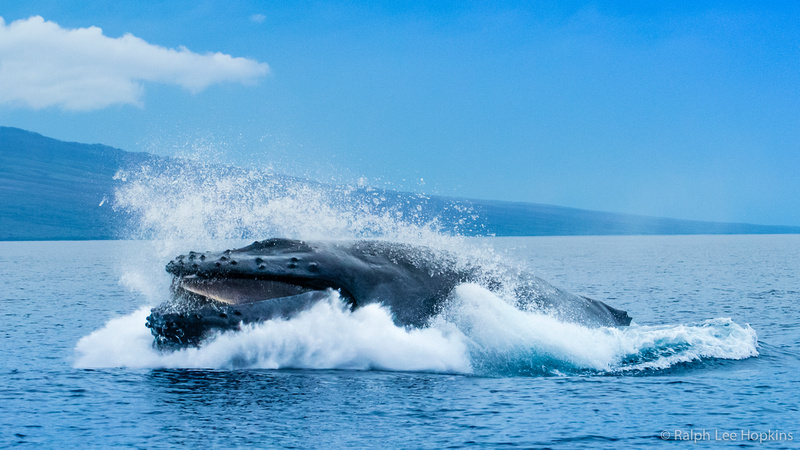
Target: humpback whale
(214, 291)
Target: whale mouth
(237, 291)
(202, 305)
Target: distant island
(55, 190)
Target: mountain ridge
(57, 190)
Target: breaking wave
(478, 332)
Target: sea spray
(327, 336)
(503, 340)
(478, 333)
(186, 206)
(189, 201)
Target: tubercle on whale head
(271, 257)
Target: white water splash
(477, 334)
(505, 340)
(192, 202)
(189, 206)
(327, 336)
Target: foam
(504, 340)
(478, 333)
(186, 206)
(327, 336)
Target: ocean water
(713, 355)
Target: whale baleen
(281, 277)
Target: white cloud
(258, 18)
(43, 65)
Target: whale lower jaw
(176, 329)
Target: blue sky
(689, 110)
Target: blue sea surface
(713, 356)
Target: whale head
(281, 277)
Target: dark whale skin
(413, 281)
